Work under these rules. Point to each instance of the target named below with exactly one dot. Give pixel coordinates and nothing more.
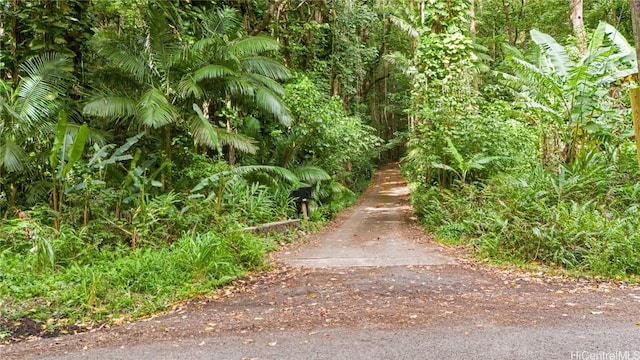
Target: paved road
(372, 286)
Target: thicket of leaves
(534, 163)
(138, 138)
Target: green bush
(124, 281)
(581, 216)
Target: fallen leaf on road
(273, 343)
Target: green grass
(120, 282)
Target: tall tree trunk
(474, 32)
(577, 23)
(472, 23)
(335, 81)
(16, 39)
(508, 25)
(635, 93)
(271, 8)
(635, 18)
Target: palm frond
(400, 61)
(154, 110)
(8, 109)
(404, 26)
(251, 126)
(12, 156)
(37, 192)
(214, 71)
(111, 107)
(266, 67)
(203, 132)
(48, 65)
(535, 77)
(240, 142)
(252, 45)
(157, 19)
(201, 45)
(239, 87)
(48, 77)
(311, 174)
(280, 172)
(544, 108)
(264, 81)
(269, 102)
(512, 52)
(124, 58)
(188, 87)
(222, 22)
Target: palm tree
(146, 68)
(28, 114)
(233, 74)
(153, 63)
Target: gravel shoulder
(373, 285)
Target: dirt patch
(29, 329)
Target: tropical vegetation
(138, 138)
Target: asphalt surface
(587, 341)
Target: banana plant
(66, 151)
(569, 95)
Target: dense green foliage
(531, 162)
(137, 138)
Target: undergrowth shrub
(124, 281)
(581, 216)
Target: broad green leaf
(75, 152)
(61, 130)
(555, 55)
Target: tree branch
(267, 18)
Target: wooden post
(304, 212)
(634, 94)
